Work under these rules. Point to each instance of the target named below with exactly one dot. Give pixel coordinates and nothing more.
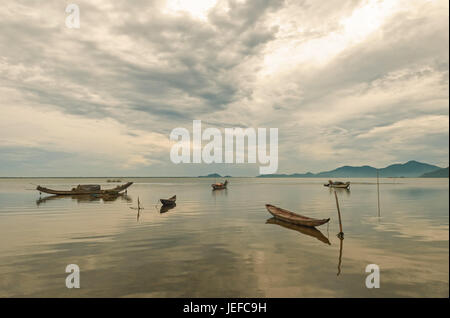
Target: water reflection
(85, 198)
(339, 190)
(219, 192)
(341, 245)
(217, 239)
(167, 207)
(310, 231)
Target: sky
(346, 82)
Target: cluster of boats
(278, 213)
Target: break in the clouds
(345, 82)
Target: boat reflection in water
(311, 231)
(84, 198)
(223, 192)
(166, 208)
(339, 190)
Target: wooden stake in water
(341, 233)
(378, 193)
(138, 207)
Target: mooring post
(341, 233)
(378, 193)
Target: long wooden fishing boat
(218, 186)
(307, 230)
(337, 184)
(86, 189)
(294, 218)
(170, 201)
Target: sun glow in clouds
(197, 8)
(365, 20)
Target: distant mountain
(349, 171)
(440, 173)
(211, 175)
(294, 175)
(410, 169)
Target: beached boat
(307, 230)
(218, 186)
(294, 218)
(337, 184)
(86, 189)
(170, 201)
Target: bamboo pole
(378, 193)
(341, 233)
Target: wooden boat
(337, 184)
(170, 201)
(218, 186)
(86, 189)
(311, 231)
(294, 218)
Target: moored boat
(294, 218)
(337, 184)
(218, 186)
(86, 189)
(170, 201)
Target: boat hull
(170, 201)
(339, 186)
(219, 186)
(291, 217)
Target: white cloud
(338, 78)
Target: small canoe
(337, 184)
(218, 186)
(86, 189)
(294, 218)
(311, 231)
(170, 201)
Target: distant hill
(439, 173)
(213, 175)
(411, 169)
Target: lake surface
(218, 244)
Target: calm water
(218, 244)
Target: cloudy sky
(346, 82)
